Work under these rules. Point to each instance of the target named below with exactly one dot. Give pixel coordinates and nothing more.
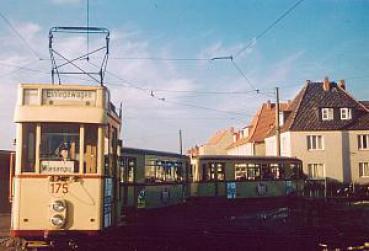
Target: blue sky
(317, 39)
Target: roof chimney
(342, 84)
(326, 84)
(269, 104)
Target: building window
(247, 171)
(316, 171)
(327, 114)
(364, 169)
(363, 141)
(314, 142)
(345, 113)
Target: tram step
(37, 244)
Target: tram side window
(114, 145)
(127, 170)
(60, 142)
(273, 172)
(296, 170)
(247, 171)
(291, 171)
(28, 147)
(178, 169)
(90, 151)
(163, 171)
(209, 171)
(220, 171)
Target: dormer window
(327, 114)
(346, 113)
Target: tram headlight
(57, 220)
(57, 216)
(58, 206)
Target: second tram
(246, 176)
(153, 179)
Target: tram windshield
(59, 142)
(60, 148)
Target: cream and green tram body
(246, 177)
(67, 151)
(153, 179)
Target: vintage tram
(246, 176)
(67, 147)
(153, 179)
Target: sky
(161, 92)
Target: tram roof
(243, 157)
(62, 86)
(130, 150)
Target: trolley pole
(180, 142)
(278, 133)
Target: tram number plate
(59, 187)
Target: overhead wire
(235, 65)
(19, 36)
(151, 93)
(160, 59)
(268, 28)
(88, 25)
(20, 68)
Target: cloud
(218, 49)
(133, 82)
(284, 67)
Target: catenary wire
(19, 36)
(268, 28)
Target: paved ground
(240, 225)
(4, 225)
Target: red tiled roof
(218, 136)
(266, 121)
(262, 124)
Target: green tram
(246, 176)
(153, 179)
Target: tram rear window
(60, 142)
(28, 147)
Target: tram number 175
(59, 187)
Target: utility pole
(277, 133)
(180, 142)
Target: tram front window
(60, 142)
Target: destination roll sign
(68, 97)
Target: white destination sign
(68, 97)
(52, 166)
